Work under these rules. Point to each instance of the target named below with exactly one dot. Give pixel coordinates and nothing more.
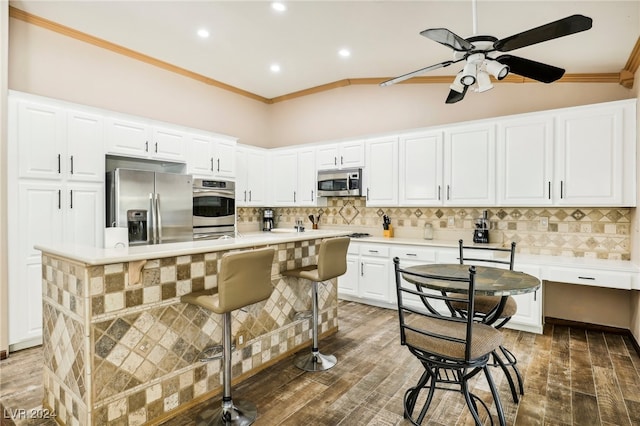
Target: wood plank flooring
(572, 377)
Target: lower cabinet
(370, 278)
(368, 273)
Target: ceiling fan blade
(563, 27)
(449, 39)
(531, 69)
(455, 96)
(416, 73)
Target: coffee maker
(137, 224)
(267, 220)
(481, 233)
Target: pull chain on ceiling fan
(480, 53)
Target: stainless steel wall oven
(214, 208)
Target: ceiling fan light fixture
(484, 82)
(457, 84)
(469, 74)
(496, 69)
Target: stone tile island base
(121, 349)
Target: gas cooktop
(359, 235)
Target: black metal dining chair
(452, 350)
(486, 306)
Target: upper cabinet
(343, 155)
(469, 165)
(143, 140)
(381, 182)
(420, 181)
(525, 161)
(211, 157)
(594, 156)
(251, 176)
(293, 175)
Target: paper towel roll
(116, 237)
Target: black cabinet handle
(294, 196)
(58, 163)
(448, 192)
(249, 195)
(341, 160)
(561, 189)
(411, 254)
(312, 195)
(59, 199)
(212, 166)
(439, 191)
(218, 164)
(71, 198)
(587, 278)
(156, 147)
(72, 164)
(146, 146)
(362, 269)
(549, 189)
(335, 161)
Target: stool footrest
(302, 315)
(315, 361)
(213, 352)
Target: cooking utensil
(311, 218)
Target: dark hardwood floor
(572, 377)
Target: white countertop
(102, 256)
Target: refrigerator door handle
(151, 233)
(158, 220)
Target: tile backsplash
(599, 232)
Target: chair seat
(485, 339)
(309, 272)
(485, 304)
(207, 299)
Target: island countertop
(105, 256)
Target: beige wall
(46, 63)
(365, 110)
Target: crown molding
(625, 77)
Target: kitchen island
(120, 348)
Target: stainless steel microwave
(340, 183)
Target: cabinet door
(525, 161)
(528, 317)
(84, 214)
(39, 222)
(257, 182)
(382, 172)
(40, 140)
(374, 278)
(307, 178)
(348, 283)
(589, 157)
(327, 157)
(285, 178)
(127, 138)
(225, 161)
(168, 144)
(351, 155)
(420, 182)
(200, 158)
(85, 147)
(242, 170)
(469, 166)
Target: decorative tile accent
(566, 234)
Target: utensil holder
(314, 226)
(388, 233)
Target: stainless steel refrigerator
(155, 207)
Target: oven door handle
(228, 194)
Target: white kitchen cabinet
(421, 161)
(469, 165)
(84, 214)
(382, 172)
(251, 176)
(84, 151)
(590, 155)
(211, 157)
(343, 155)
(142, 139)
(368, 274)
(294, 177)
(525, 161)
(528, 317)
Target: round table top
(490, 281)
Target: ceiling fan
(480, 53)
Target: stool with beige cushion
(244, 279)
(332, 262)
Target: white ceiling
(383, 36)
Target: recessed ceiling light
(279, 7)
(345, 53)
(203, 33)
(274, 68)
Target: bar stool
(332, 262)
(244, 278)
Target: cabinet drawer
(609, 279)
(374, 250)
(414, 253)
